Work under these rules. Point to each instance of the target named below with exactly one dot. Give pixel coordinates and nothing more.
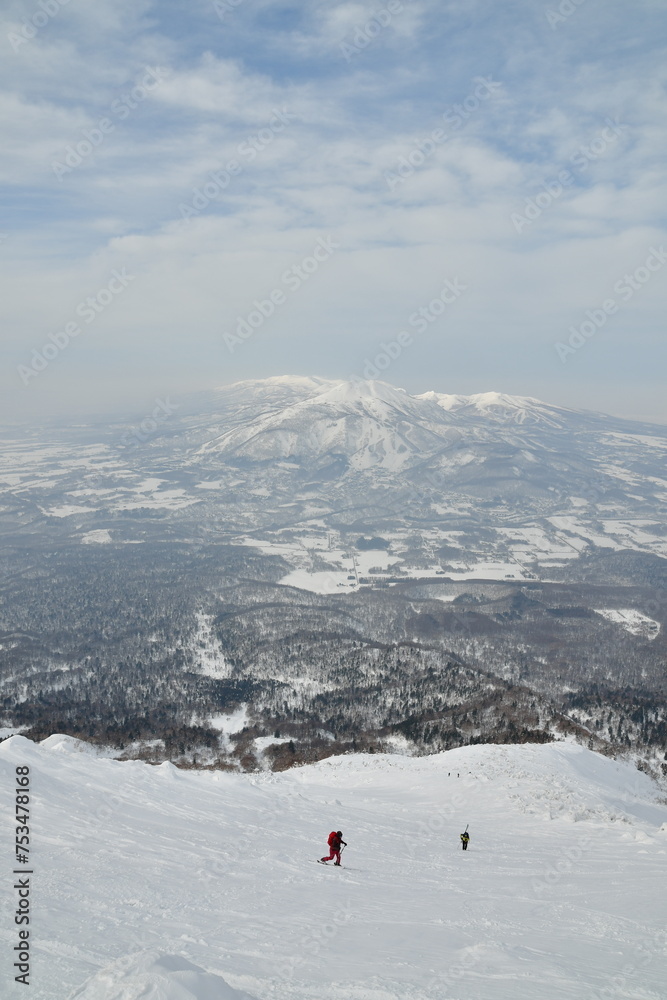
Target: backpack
(333, 839)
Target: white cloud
(323, 173)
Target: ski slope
(153, 883)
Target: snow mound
(70, 745)
(556, 781)
(154, 976)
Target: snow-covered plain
(152, 883)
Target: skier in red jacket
(334, 842)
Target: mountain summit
(367, 424)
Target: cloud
(323, 170)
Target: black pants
(464, 845)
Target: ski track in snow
(157, 884)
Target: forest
(143, 648)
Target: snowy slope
(158, 884)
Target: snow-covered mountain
(483, 445)
(369, 424)
(152, 883)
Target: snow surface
(501, 406)
(232, 723)
(6, 731)
(58, 743)
(632, 621)
(152, 883)
(482, 570)
(320, 582)
(153, 976)
(263, 742)
(69, 510)
(101, 536)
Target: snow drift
(152, 976)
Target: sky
(461, 195)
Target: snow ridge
(155, 976)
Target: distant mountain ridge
(478, 443)
(503, 408)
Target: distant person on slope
(334, 842)
(465, 837)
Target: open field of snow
(101, 536)
(321, 582)
(482, 570)
(150, 882)
(632, 621)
